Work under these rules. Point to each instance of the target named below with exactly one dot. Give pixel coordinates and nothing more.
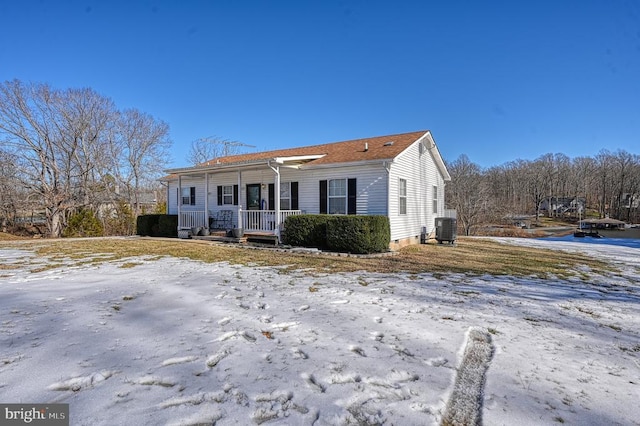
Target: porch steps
(220, 238)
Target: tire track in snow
(465, 403)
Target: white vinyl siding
(418, 167)
(185, 205)
(371, 196)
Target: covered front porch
(248, 197)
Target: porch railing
(264, 220)
(192, 219)
(252, 220)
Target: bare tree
(212, 147)
(467, 193)
(46, 144)
(10, 194)
(74, 149)
(141, 145)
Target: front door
(253, 196)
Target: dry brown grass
(470, 256)
(9, 237)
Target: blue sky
(494, 80)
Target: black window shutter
(294, 195)
(219, 195)
(193, 195)
(351, 196)
(235, 195)
(272, 196)
(323, 197)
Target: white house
(400, 176)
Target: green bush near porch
(347, 234)
(306, 230)
(157, 225)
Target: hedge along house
(400, 176)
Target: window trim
(434, 198)
(337, 197)
(288, 198)
(226, 194)
(402, 197)
(190, 198)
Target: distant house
(400, 176)
(562, 206)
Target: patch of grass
(471, 256)
(47, 267)
(127, 265)
(588, 312)
(9, 266)
(466, 292)
(9, 237)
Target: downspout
(387, 167)
(276, 199)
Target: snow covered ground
(180, 342)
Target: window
(435, 199)
(337, 196)
(285, 195)
(402, 196)
(227, 194)
(188, 195)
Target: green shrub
(350, 234)
(145, 224)
(83, 223)
(358, 234)
(307, 230)
(168, 225)
(157, 225)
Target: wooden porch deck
(248, 237)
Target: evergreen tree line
(76, 161)
(607, 185)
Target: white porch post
(179, 201)
(239, 199)
(206, 200)
(276, 196)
